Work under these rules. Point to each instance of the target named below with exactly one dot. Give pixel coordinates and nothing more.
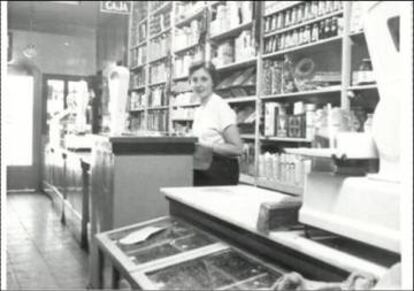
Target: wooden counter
(232, 211)
(126, 175)
(66, 181)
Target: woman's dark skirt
(222, 171)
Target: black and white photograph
(207, 145)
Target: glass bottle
(287, 17)
(306, 11)
(299, 15)
(322, 29)
(294, 16)
(280, 21)
(302, 35)
(334, 26)
(328, 28)
(307, 33)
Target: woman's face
(201, 83)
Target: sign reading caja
(119, 7)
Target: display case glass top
(174, 237)
(225, 270)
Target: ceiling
(53, 16)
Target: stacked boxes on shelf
(231, 14)
(279, 123)
(188, 35)
(238, 84)
(239, 46)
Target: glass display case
(174, 238)
(225, 270)
(180, 256)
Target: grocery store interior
(203, 145)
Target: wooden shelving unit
(339, 94)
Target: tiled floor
(41, 252)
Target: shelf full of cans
(304, 23)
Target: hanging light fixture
(30, 50)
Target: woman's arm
(233, 146)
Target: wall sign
(118, 7)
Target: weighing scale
(364, 208)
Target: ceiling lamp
(30, 50)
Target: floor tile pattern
(41, 252)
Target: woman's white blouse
(211, 119)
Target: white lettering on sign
(122, 7)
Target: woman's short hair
(208, 66)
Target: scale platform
(361, 208)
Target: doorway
(23, 105)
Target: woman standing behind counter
(219, 142)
